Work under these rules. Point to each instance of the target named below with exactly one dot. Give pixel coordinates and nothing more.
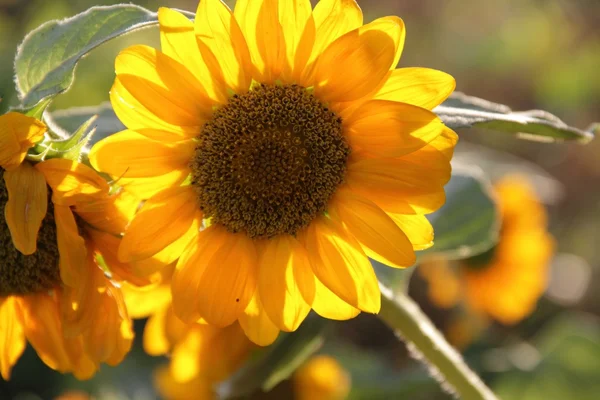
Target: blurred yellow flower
(53, 293)
(321, 378)
(201, 359)
(506, 282)
(288, 134)
(200, 353)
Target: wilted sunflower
(506, 282)
(289, 136)
(52, 291)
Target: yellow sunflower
(506, 282)
(278, 149)
(53, 293)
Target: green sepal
(36, 111)
(71, 148)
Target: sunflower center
(268, 162)
(21, 274)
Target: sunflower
(53, 292)
(277, 149)
(506, 282)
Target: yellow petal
(107, 245)
(229, 349)
(155, 340)
(398, 185)
(162, 220)
(144, 188)
(445, 143)
(169, 254)
(12, 338)
(165, 87)
(144, 301)
(175, 329)
(380, 237)
(82, 366)
(79, 303)
(110, 337)
(215, 277)
(178, 41)
(185, 360)
(18, 133)
(26, 207)
(328, 305)
(222, 45)
(285, 279)
(42, 327)
(418, 171)
(110, 214)
(186, 278)
(371, 50)
(132, 155)
(422, 87)
(71, 246)
(136, 116)
(334, 18)
(256, 323)
(391, 129)
(417, 228)
(163, 331)
(293, 17)
(259, 21)
(339, 262)
(72, 182)
(228, 280)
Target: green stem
(403, 315)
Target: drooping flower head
(53, 292)
(278, 148)
(506, 282)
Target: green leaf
(70, 119)
(468, 223)
(277, 362)
(462, 111)
(46, 60)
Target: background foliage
(526, 53)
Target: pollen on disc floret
(268, 162)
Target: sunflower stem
(425, 342)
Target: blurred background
(528, 54)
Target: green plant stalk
(426, 343)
